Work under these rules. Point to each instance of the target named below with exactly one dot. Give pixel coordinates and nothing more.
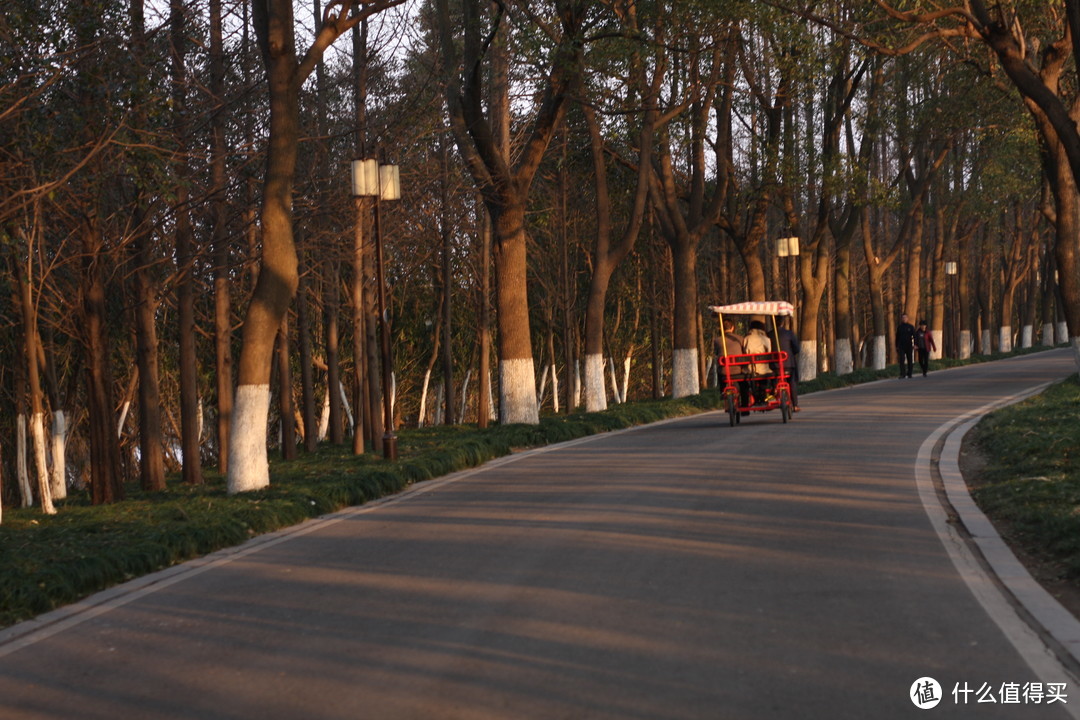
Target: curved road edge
(1045, 634)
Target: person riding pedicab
(728, 345)
(756, 342)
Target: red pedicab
(763, 391)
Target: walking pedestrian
(924, 344)
(905, 346)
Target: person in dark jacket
(905, 346)
(787, 341)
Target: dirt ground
(1045, 570)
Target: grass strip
(1030, 483)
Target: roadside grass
(50, 561)
(1030, 484)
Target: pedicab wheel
(732, 410)
(785, 406)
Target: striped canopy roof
(768, 307)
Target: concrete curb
(1057, 622)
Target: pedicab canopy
(766, 307)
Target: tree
(638, 62)
(1030, 44)
(502, 176)
(278, 276)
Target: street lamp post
(787, 248)
(383, 183)
(951, 269)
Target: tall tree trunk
(606, 254)
(685, 374)
(945, 231)
(307, 379)
(151, 452)
(185, 294)
(446, 304)
(362, 373)
(845, 359)
(504, 179)
(220, 240)
(278, 275)
(106, 480)
(31, 342)
(964, 297)
(483, 410)
(332, 307)
(286, 411)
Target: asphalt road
(682, 570)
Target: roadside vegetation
(50, 560)
(1030, 483)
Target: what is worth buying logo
(925, 693)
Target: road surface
(682, 570)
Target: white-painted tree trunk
(985, 348)
(422, 414)
(465, 394)
(21, 470)
(58, 478)
(845, 360)
(1027, 334)
(595, 393)
(626, 376)
(881, 355)
(347, 408)
(123, 418)
(1062, 333)
(966, 344)
(616, 396)
(1048, 334)
(543, 385)
(807, 360)
(684, 373)
(440, 404)
(517, 392)
(37, 434)
(1005, 339)
(577, 384)
(248, 465)
(492, 415)
(554, 389)
(324, 417)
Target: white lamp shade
(365, 178)
(389, 182)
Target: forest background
(190, 279)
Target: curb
(1044, 609)
(1043, 632)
